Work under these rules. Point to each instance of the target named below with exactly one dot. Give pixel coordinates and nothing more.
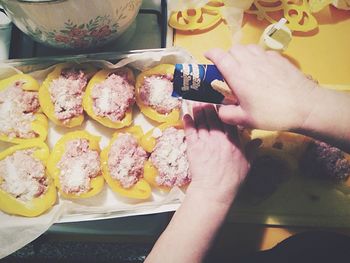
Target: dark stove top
(148, 31)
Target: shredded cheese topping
(77, 166)
(67, 94)
(170, 158)
(113, 97)
(23, 176)
(156, 92)
(17, 108)
(126, 160)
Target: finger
(255, 50)
(222, 58)
(190, 128)
(251, 148)
(232, 114)
(212, 118)
(240, 53)
(278, 60)
(200, 120)
(272, 53)
(225, 63)
(248, 55)
(232, 134)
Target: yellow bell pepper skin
(150, 175)
(141, 190)
(45, 97)
(99, 77)
(148, 142)
(29, 83)
(162, 69)
(59, 149)
(36, 206)
(40, 124)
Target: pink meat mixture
(23, 176)
(170, 158)
(126, 160)
(17, 109)
(28, 101)
(156, 92)
(78, 166)
(67, 94)
(113, 97)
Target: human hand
(217, 163)
(273, 94)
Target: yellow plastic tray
(323, 53)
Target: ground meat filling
(126, 160)
(17, 109)
(23, 176)
(78, 166)
(156, 92)
(170, 158)
(322, 160)
(113, 97)
(67, 94)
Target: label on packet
(201, 82)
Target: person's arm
(328, 119)
(188, 236)
(217, 166)
(274, 95)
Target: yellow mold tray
(323, 53)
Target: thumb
(232, 114)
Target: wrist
(307, 106)
(212, 195)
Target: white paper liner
(16, 231)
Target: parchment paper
(16, 231)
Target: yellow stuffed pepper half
(109, 97)
(155, 83)
(124, 176)
(19, 104)
(75, 166)
(32, 191)
(150, 141)
(61, 93)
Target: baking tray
(295, 201)
(107, 204)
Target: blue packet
(201, 82)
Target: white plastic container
(276, 36)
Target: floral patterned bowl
(72, 24)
